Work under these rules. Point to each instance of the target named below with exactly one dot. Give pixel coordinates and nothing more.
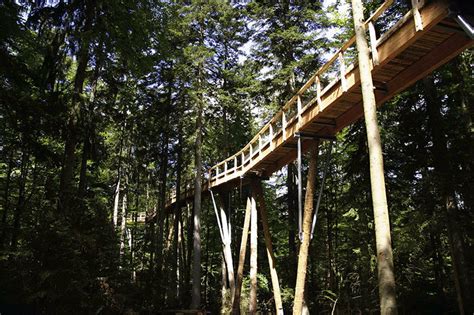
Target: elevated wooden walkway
(421, 41)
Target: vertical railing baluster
(318, 91)
(283, 124)
(342, 69)
(373, 44)
(417, 16)
(300, 108)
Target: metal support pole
(300, 191)
(325, 171)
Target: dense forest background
(106, 106)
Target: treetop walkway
(423, 39)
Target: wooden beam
(243, 250)
(269, 247)
(253, 255)
(442, 54)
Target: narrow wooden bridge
(422, 40)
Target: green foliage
(129, 116)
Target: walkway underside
(420, 42)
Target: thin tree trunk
(386, 277)
(307, 220)
(180, 263)
(226, 231)
(123, 224)
(20, 206)
(223, 285)
(177, 214)
(446, 185)
(291, 225)
(116, 203)
(196, 290)
(253, 255)
(243, 250)
(189, 248)
(6, 202)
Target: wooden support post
(243, 250)
(308, 215)
(283, 124)
(226, 235)
(260, 142)
(318, 91)
(253, 256)
(416, 16)
(342, 70)
(268, 243)
(388, 302)
(373, 44)
(299, 107)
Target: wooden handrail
(282, 119)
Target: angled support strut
(321, 187)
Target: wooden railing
(308, 95)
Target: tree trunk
(243, 250)
(269, 248)
(177, 217)
(223, 284)
(226, 232)
(196, 273)
(123, 225)
(445, 181)
(253, 255)
(20, 206)
(386, 277)
(291, 225)
(67, 173)
(6, 202)
(307, 220)
(116, 203)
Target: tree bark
(196, 273)
(243, 250)
(116, 203)
(177, 217)
(253, 255)
(269, 248)
(307, 220)
(223, 284)
(226, 231)
(291, 225)
(123, 225)
(386, 277)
